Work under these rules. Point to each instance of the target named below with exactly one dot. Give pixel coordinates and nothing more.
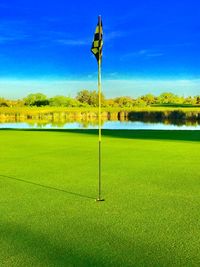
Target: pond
(129, 125)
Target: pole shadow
(46, 187)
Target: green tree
(124, 101)
(168, 98)
(197, 100)
(37, 99)
(83, 96)
(3, 102)
(63, 101)
(149, 99)
(190, 100)
(59, 101)
(140, 102)
(110, 103)
(90, 97)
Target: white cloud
(73, 42)
(108, 36)
(13, 30)
(143, 53)
(113, 35)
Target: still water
(128, 125)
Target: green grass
(48, 185)
(176, 105)
(47, 109)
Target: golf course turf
(48, 186)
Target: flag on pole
(97, 51)
(98, 41)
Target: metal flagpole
(99, 113)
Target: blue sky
(149, 47)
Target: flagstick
(99, 94)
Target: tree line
(86, 98)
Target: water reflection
(121, 123)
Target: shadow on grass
(26, 246)
(31, 247)
(46, 186)
(178, 135)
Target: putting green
(48, 186)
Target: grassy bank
(165, 114)
(32, 110)
(48, 185)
